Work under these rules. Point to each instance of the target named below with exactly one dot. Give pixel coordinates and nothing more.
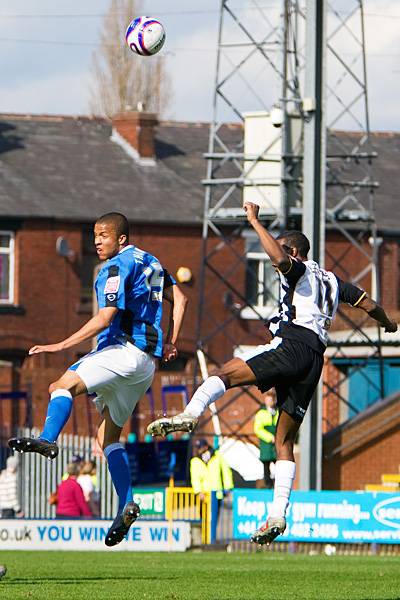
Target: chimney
(135, 130)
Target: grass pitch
(196, 576)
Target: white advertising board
(156, 536)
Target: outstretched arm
(274, 250)
(89, 330)
(377, 312)
(178, 302)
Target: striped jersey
(309, 298)
(133, 281)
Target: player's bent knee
(54, 386)
(70, 381)
(226, 379)
(284, 449)
(218, 372)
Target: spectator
(93, 475)
(265, 427)
(9, 501)
(71, 502)
(93, 472)
(209, 471)
(77, 460)
(86, 481)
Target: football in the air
(145, 36)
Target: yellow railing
(182, 503)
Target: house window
(90, 262)
(6, 267)
(262, 283)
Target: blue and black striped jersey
(133, 281)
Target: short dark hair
(119, 221)
(296, 239)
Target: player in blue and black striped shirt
(130, 289)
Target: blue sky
(45, 62)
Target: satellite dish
(63, 249)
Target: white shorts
(119, 376)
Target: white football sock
(285, 472)
(209, 391)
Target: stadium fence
(40, 477)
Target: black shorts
(293, 369)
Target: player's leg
(108, 437)
(233, 373)
(117, 459)
(86, 375)
(293, 399)
(133, 375)
(59, 410)
(285, 472)
(285, 466)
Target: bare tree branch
(122, 80)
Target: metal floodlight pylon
(257, 71)
(261, 67)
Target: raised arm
(378, 313)
(358, 298)
(274, 250)
(178, 301)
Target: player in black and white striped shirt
(291, 362)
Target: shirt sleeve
(110, 287)
(349, 293)
(294, 272)
(259, 428)
(196, 479)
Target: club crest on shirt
(112, 285)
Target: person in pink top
(71, 502)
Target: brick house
(57, 174)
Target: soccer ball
(145, 36)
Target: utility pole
(314, 209)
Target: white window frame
(264, 310)
(10, 251)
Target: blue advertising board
(322, 516)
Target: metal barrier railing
(184, 505)
(40, 477)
